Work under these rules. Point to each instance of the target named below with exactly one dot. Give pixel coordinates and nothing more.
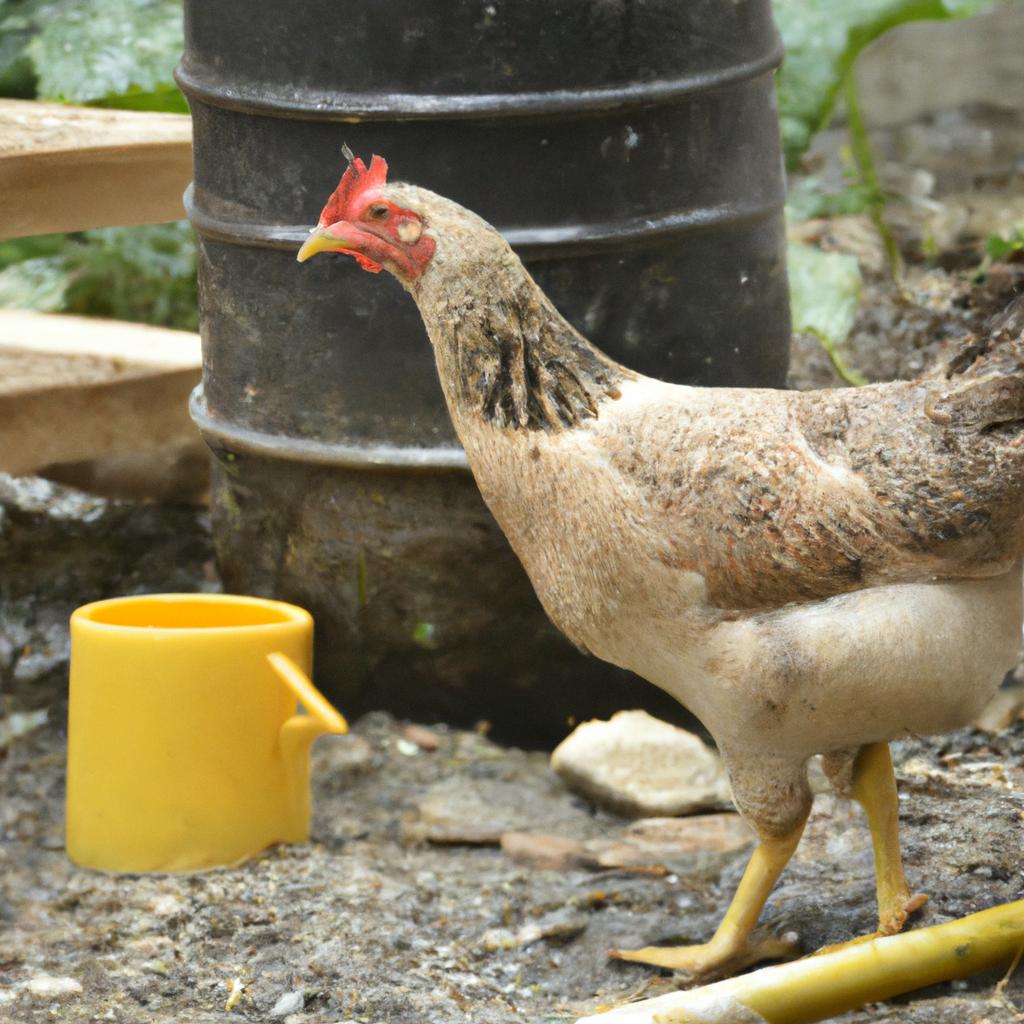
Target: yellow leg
(874, 788)
(730, 948)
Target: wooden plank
(74, 168)
(77, 388)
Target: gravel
(370, 923)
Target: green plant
(999, 248)
(823, 39)
(112, 53)
(825, 288)
(143, 273)
(108, 53)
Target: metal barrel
(628, 149)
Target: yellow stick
(818, 987)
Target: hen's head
(361, 219)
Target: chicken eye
(378, 211)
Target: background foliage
(107, 53)
(823, 38)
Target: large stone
(60, 548)
(642, 767)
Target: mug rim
(294, 615)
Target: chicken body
(809, 573)
(616, 552)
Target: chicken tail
(986, 378)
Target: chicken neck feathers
(769, 496)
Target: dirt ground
(365, 924)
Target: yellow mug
(184, 748)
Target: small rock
(648, 846)
(656, 844)
(47, 987)
(289, 1003)
(558, 925)
(642, 767)
(720, 833)
(19, 724)
(166, 906)
(546, 853)
(423, 738)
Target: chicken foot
(731, 949)
(774, 797)
(874, 788)
(872, 783)
(865, 776)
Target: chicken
(808, 572)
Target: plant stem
(854, 377)
(860, 143)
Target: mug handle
(296, 737)
(309, 696)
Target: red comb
(355, 181)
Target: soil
(366, 924)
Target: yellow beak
(322, 240)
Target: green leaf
(144, 273)
(998, 248)
(95, 50)
(805, 199)
(823, 38)
(17, 250)
(824, 290)
(35, 284)
(167, 100)
(18, 25)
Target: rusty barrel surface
(628, 149)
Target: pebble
(642, 767)
(546, 853)
(289, 1003)
(47, 987)
(718, 833)
(664, 843)
(648, 846)
(166, 906)
(423, 738)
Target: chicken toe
(732, 949)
